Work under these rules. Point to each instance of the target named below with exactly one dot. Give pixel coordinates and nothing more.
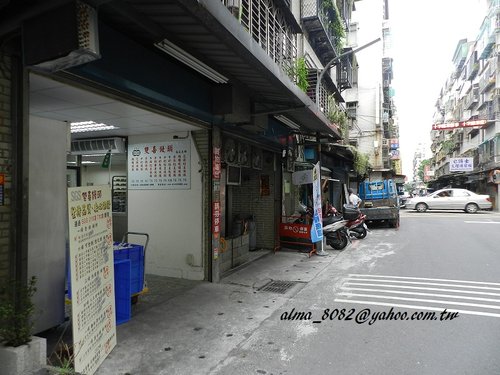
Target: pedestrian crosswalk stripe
(422, 278)
(482, 222)
(421, 300)
(424, 283)
(425, 288)
(467, 312)
(412, 292)
(427, 294)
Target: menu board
(160, 165)
(92, 275)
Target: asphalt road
(434, 261)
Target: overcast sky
(425, 34)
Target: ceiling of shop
(55, 100)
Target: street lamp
(319, 247)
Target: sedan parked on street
(450, 199)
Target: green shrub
(16, 310)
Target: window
(460, 193)
(444, 194)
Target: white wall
(95, 175)
(47, 218)
(172, 218)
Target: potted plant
(20, 352)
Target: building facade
(375, 129)
(465, 135)
(234, 84)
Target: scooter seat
(331, 219)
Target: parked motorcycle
(334, 228)
(355, 221)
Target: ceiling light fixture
(191, 61)
(90, 126)
(287, 122)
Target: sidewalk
(188, 327)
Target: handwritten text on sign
(92, 275)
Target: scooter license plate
(364, 226)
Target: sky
(425, 34)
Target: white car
(450, 199)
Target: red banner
(461, 124)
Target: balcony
(270, 26)
(326, 89)
(487, 38)
(488, 79)
(472, 66)
(318, 19)
(471, 98)
(345, 73)
(487, 112)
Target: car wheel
(471, 208)
(421, 207)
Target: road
(434, 261)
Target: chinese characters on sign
(461, 165)
(160, 165)
(216, 163)
(92, 275)
(317, 225)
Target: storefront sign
(317, 226)
(92, 276)
(160, 165)
(216, 168)
(461, 164)
(216, 228)
(461, 124)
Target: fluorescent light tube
(287, 122)
(191, 61)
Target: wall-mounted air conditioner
(98, 146)
(61, 38)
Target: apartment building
(466, 130)
(233, 83)
(375, 127)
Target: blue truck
(380, 201)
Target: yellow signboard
(92, 275)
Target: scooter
(356, 221)
(335, 230)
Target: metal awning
(207, 30)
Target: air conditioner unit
(98, 146)
(62, 38)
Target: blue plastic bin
(122, 291)
(135, 253)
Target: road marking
(422, 288)
(389, 290)
(422, 283)
(467, 312)
(421, 300)
(427, 294)
(422, 278)
(482, 222)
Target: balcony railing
(487, 79)
(317, 21)
(269, 28)
(471, 98)
(345, 74)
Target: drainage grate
(278, 286)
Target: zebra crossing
(465, 297)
